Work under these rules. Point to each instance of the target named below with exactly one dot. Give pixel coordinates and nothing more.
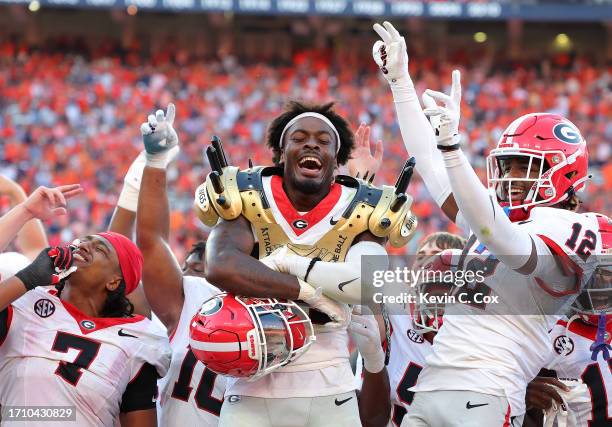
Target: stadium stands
(75, 117)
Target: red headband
(130, 258)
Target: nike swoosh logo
(125, 334)
(343, 284)
(340, 402)
(332, 222)
(468, 406)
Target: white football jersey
(54, 355)
(572, 359)
(190, 394)
(498, 347)
(324, 369)
(406, 361)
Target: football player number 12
(203, 395)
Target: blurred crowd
(73, 115)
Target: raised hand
(390, 54)
(159, 136)
(45, 203)
(447, 123)
(362, 160)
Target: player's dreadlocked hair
(116, 304)
(295, 108)
(198, 249)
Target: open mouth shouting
(310, 166)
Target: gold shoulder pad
(392, 217)
(219, 196)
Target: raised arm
(162, 277)
(32, 238)
(511, 244)
(391, 56)
(44, 203)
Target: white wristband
(128, 199)
(453, 158)
(306, 291)
(159, 160)
(374, 363)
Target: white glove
(447, 128)
(366, 336)
(276, 260)
(159, 137)
(391, 55)
(339, 313)
(579, 393)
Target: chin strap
(600, 344)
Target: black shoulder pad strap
(367, 194)
(250, 179)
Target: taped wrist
(128, 198)
(157, 160)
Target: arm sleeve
(511, 245)
(420, 141)
(340, 281)
(141, 392)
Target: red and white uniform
(497, 348)
(406, 361)
(51, 354)
(572, 359)
(190, 394)
(324, 369)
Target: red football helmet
(249, 337)
(596, 298)
(550, 143)
(436, 279)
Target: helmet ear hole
(570, 175)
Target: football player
(190, 394)
(412, 335)
(581, 354)
(310, 228)
(534, 252)
(79, 346)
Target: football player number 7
(88, 350)
(203, 395)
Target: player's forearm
(374, 399)
(162, 277)
(11, 223)
(510, 244)
(240, 274)
(153, 214)
(10, 290)
(340, 281)
(419, 139)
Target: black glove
(51, 266)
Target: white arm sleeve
(340, 281)
(510, 244)
(420, 140)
